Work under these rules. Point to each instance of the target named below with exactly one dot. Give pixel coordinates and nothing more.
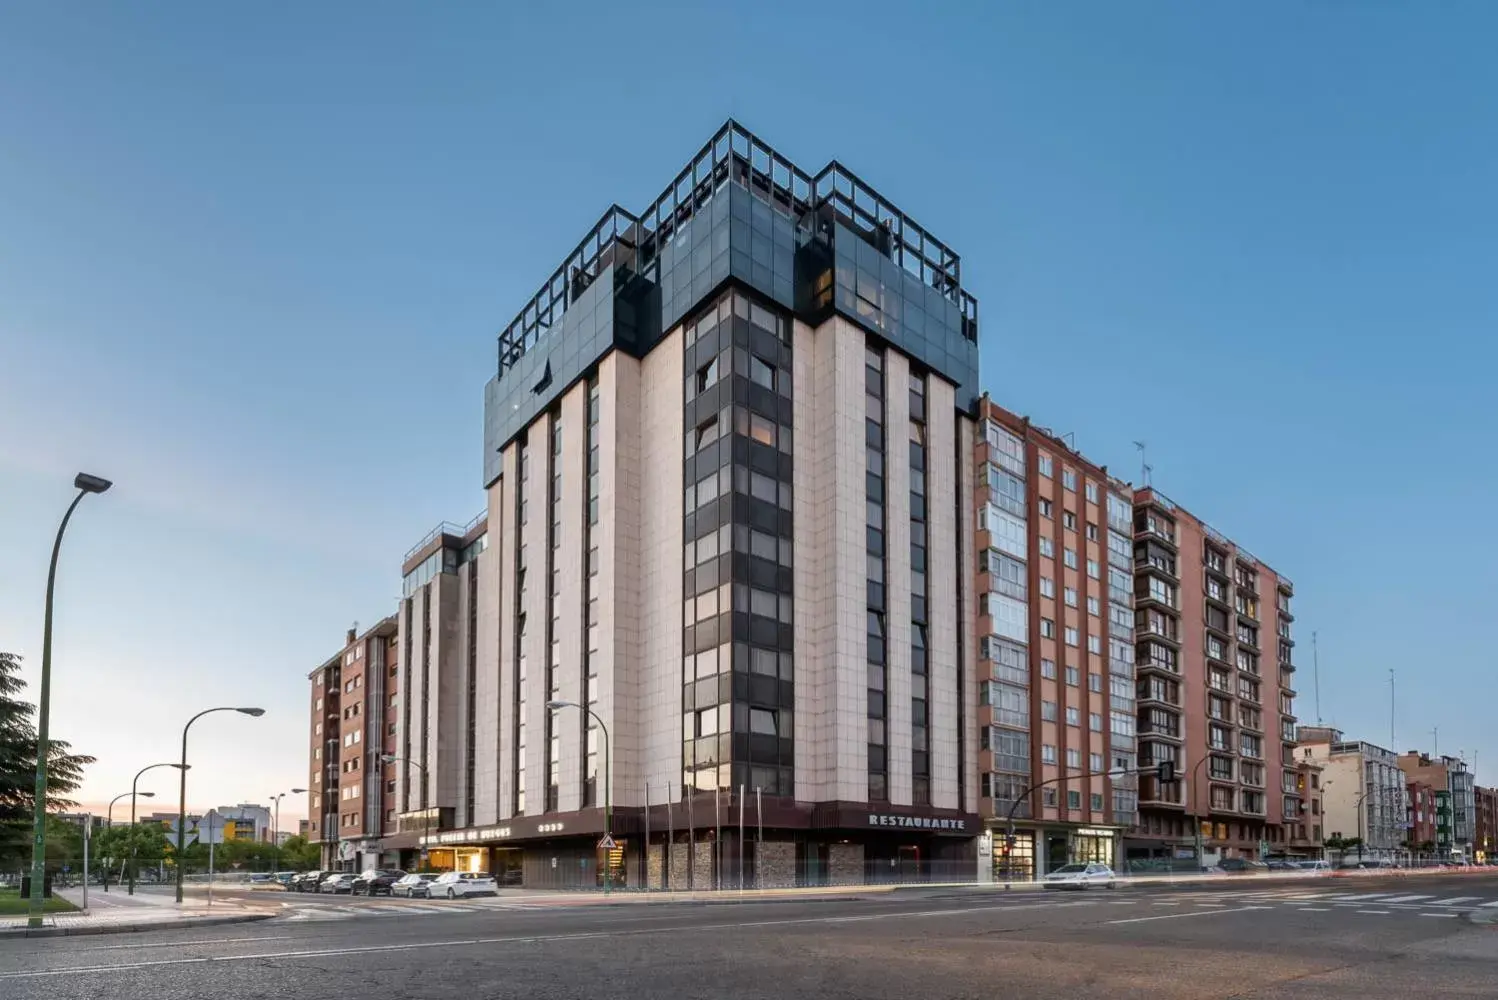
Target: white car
(452, 885)
(1080, 876)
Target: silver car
(1081, 876)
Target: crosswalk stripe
(1494, 903)
(1453, 901)
(1366, 895)
(1405, 899)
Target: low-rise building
(1486, 838)
(1456, 808)
(1420, 818)
(1363, 793)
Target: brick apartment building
(1214, 654)
(1420, 818)
(1487, 822)
(353, 706)
(1056, 657)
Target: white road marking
(1165, 904)
(1453, 901)
(534, 939)
(185, 944)
(1405, 899)
(1121, 904)
(1366, 895)
(1447, 916)
(1315, 909)
(1382, 913)
(1177, 916)
(1494, 903)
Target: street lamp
(1196, 820)
(110, 815)
(275, 830)
(608, 809)
(426, 819)
(148, 767)
(85, 484)
(253, 713)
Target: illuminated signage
(916, 822)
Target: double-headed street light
(85, 484)
(253, 713)
(110, 815)
(148, 767)
(608, 809)
(275, 829)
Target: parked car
(376, 881)
(451, 885)
(1242, 866)
(413, 886)
(1314, 866)
(337, 884)
(1080, 876)
(307, 881)
(285, 878)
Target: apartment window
(1048, 669)
(1048, 711)
(1072, 636)
(1043, 463)
(1250, 745)
(1048, 796)
(1092, 534)
(1095, 683)
(1045, 507)
(1072, 676)
(1071, 559)
(1068, 520)
(1047, 754)
(1094, 762)
(1074, 758)
(1094, 607)
(1218, 679)
(1219, 708)
(1047, 587)
(1095, 644)
(1220, 768)
(1095, 722)
(1069, 594)
(1073, 799)
(1248, 689)
(1073, 716)
(1069, 479)
(1091, 493)
(1218, 737)
(1048, 548)
(1047, 628)
(1248, 661)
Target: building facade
(1420, 818)
(723, 616)
(1214, 651)
(352, 698)
(1363, 792)
(1056, 654)
(1456, 804)
(1485, 837)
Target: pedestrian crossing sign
(607, 843)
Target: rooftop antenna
(1316, 676)
(1144, 469)
(1070, 437)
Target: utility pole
(1393, 744)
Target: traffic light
(1165, 771)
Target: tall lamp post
(110, 814)
(253, 713)
(148, 767)
(1196, 820)
(608, 808)
(426, 821)
(275, 829)
(85, 484)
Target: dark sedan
(376, 882)
(307, 881)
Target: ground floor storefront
(719, 842)
(1035, 850)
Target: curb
(149, 925)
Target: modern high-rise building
(348, 807)
(725, 589)
(1214, 649)
(1056, 649)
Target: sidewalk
(117, 912)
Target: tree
(18, 767)
(113, 846)
(297, 854)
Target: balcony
(1157, 627)
(1154, 665)
(1153, 794)
(1159, 731)
(1149, 526)
(1151, 694)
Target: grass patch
(13, 905)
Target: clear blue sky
(252, 264)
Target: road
(1328, 939)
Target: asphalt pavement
(1328, 939)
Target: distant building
(1487, 822)
(1363, 791)
(1456, 812)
